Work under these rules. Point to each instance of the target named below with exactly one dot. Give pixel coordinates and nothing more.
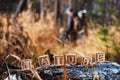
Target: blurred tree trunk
(76, 4)
(41, 9)
(70, 3)
(41, 5)
(104, 11)
(118, 7)
(57, 9)
(90, 5)
(18, 8)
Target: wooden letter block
(44, 60)
(59, 60)
(71, 59)
(100, 57)
(26, 64)
(86, 61)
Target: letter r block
(86, 61)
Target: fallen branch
(35, 73)
(33, 70)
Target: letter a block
(59, 60)
(86, 61)
(100, 57)
(44, 60)
(26, 64)
(71, 59)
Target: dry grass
(41, 35)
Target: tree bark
(56, 11)
(18, 9)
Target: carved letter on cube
(44, 60)
(59, 60)
(26, 64)
(71, 59)
(100, 57)
(86, 61)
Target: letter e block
(100, 57)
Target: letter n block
(26, 64)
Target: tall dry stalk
(64, 69)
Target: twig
(34, 71)
(8, 71)
(59, 40)
(18, 58)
